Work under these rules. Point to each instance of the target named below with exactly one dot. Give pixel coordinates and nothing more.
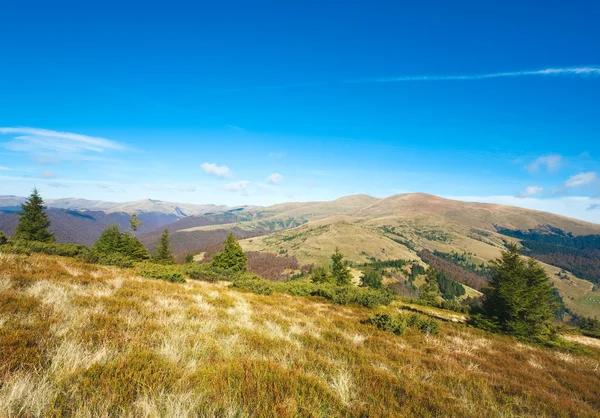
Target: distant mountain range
(407, 226)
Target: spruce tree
(232, 257)
(163, 251)
(519, 299)
(339, 269)
(429, 292)
(114, 241)
(33, 220)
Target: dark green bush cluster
(94, 256)
(171, 273)
(254, 284)
(342, 295)
(18, 246)
(204, 272)
(455, 305)
(347, 295)
(397, 324)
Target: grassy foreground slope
(87, 340)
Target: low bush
(341, 295)
(106, 259)
(204, 272)
(171, 273)
(254, 284)
(397, 324)
(16, 246)
(456, 306)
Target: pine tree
(372, 279)
(33, 220)
(3, 239)
(163, 251)
(429, 292)
(339, 269)
(519, 298)
(232, 257)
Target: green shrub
(19, 246)
(341, 295)
(387, 323)
(205, 272)
(106, 259)
(397, 324)
(255, 285)
(455, 305)
(171, 273)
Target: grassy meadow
(90, 341)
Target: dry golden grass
(83, 340)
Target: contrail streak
(573, 71)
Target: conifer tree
(134, 222)
(114, 241)
(163, 251)
(33, 220)
(232, 257)
(429, 292)
(519, 298)
(3, 239)
(339, 269)
(320, 275)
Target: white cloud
(530, 191)
(593, 206)
(274, 178)
(550, 162)
(47, 174)
(221, 171)
(237, 186)
(36, 140)
(277, 154)
(2, 168)
(580, 179)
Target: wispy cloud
(47, 174)
(274, 178)
(593, 206)
(530, 191)
(550, 162)
(565, 71)
(221, 171)
(277, 154)
(237, 186)
(36, 140)
(2, 168)
(57, 185)
(580, 179)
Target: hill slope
(85, 340)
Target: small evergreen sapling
(232, 257)
(163, 251)
(33, 220)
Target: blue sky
(241, 102)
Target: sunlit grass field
(91, 341)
